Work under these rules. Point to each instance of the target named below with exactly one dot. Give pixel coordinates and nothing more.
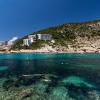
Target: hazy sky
(20, 17)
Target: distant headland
(68, 38)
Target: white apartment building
(39, 36)
(32, 38)
(26, 42)
(44, 37)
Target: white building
(39, 36)
(32, 38)
(44, 37)
(26, 42)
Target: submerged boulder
(59, 93)
(26, 80)
(93, 95)
(29, 79)
(25, 93)
(40, 86)
(11, 83)
(49, 78)
(77, 87)
(76, 81)
(8, 84)
(77, 92)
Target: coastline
(50, 49)
(49, 52)
(81, 45)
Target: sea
(46, 76)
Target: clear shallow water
(81, 71)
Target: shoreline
(50, 50)
(15, 52)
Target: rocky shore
(80, 45)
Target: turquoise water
(63, 76)
(30, 56)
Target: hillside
(66, 36)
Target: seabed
(49, 77)
(38, 88)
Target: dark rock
(78, 92)
(28, 79)
(93, 95)
(26, 93)
(7, 84)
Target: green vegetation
(63, 34)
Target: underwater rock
(44, 81)
(7, 84)
(51, 85)
(51, 80)
(26, 93)
(76, 81)
(77, 87)
(30, 79)
(32, 75)
(40, 86)
(93, 95)
(26, 80)
(48, 78)
(11, 82)
(39, 95)
(78, 92)
(58, 93)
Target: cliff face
(68, 36)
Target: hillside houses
(44, 37)
(33, 38)
(26, 42)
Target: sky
(22, 17)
